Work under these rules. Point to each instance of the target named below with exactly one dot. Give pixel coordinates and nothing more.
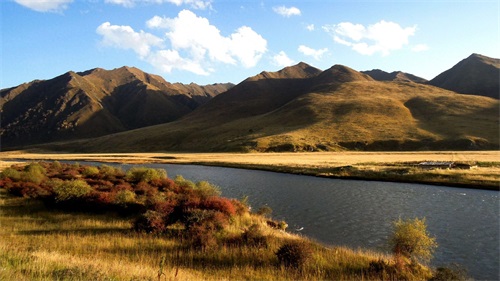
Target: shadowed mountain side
(476, 75)
(365, 115)
(94, 103)
(300, 71)
(258, 94)
(399, 76)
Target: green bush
(138, 174)
(90, 171)
(181, 181)
(34, 172)
(71, 189)
(206, 189)
(124, 197)
(10, 173)
(110, 172)
(56, 166)
(411, 240)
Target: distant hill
(301, 108)
(476, 75)
(95, 103)
(381, 75)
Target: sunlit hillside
(336, 109)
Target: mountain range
(299, 108)
(95, 103)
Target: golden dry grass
(39, 244)
(370, 165)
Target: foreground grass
(41, 244)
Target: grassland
(386, 166)
(38, 242)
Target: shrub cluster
(294, 254)
(157, 201)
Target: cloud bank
(316, 54)
(54, 6)
(382, 37)
(282, 60)
(195, 44)
(287, 12)
(195, 4)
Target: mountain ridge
(476, 74)
(337, 109)
(93, 103)
(298, 108)
(381, 75)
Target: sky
(212, 41)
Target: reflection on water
(360, 213)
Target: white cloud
(310, 27)
(45, 5)
(248, 46)
(124, 3)
(195, 44)
(287, 12)
(282, 60)
(197, 36)
(124, 37)
(382, 37)
(195, 4)
(316, 54)
(420, 48)
(167, 60)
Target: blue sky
(211, 41)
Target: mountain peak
(341, 73)
(483, 59)
(301, 70)
(381, 75)
(476, 74)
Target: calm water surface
(355, 213)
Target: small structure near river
(432, 165)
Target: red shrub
(165, 207)
(28, 189)
(202, 237)
(100, 185)
(220, 204)
(191, 201)
(70, 174)
(122, 186)
(143, 188)
(101, 198)
(165, 184)
(239, 207)
(151, 222)
(5, 182)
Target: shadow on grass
(77, 232)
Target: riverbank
(142, 225)
(481, 169)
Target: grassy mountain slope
(477, 74)
(95, 103)
(338, 108)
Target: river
(360, 214)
